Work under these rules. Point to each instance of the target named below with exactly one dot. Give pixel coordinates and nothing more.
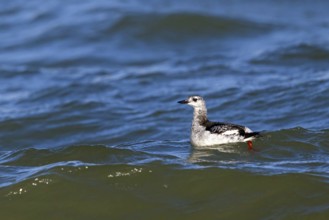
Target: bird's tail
(252, 134)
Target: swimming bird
(205, 133)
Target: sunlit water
(90, 127)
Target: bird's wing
(225, 128)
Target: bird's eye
(195, 99)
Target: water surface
(89, 121)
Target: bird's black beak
(183, 102)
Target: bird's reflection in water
(222, 154)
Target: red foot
(249, 145)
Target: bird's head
(194, 101)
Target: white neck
(199, 116)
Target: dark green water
(90, 127)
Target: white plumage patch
(231, 132)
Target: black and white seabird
(205, 133)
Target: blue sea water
(89, 121)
